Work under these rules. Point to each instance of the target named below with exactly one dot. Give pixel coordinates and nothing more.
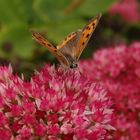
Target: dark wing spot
(83, 43)
(55, 50)
(43, 43)
(87, 35)
(38, 37)
(93, 24)
(69, 36)
(88, 28)
(49, 45)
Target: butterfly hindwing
(44, 42)
(86, 34)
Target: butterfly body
(69, 51)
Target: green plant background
(55, 20)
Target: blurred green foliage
(54, 19)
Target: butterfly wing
(66, 40)
(85, 35)
(41, 40)
(68, 46)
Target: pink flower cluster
(54, 105)
(128, 9)
(118, 69)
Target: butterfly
(69, 51)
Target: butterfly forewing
(66, 40)
(44, 42)
(86, 34)
(68, 47)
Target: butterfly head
(73, 65)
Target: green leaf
(12, 11)
(52, 11)
(93, 7)
(19, 37)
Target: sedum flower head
(118, 69)
(127, 9)
(55, 104)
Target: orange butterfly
(69, 51)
